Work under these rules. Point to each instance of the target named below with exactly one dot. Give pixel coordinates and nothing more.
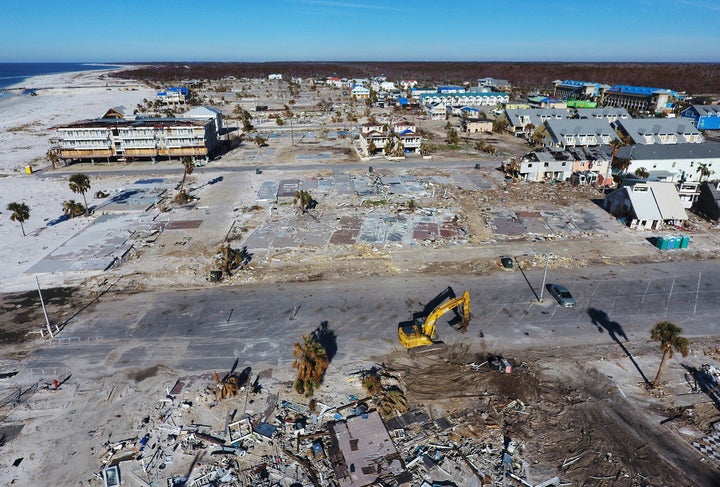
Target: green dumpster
(507, 262)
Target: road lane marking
(642, 301)
(697, 294)
(667, 300)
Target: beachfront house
(174, 95)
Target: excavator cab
(421, 331)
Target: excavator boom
(418, 335)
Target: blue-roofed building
(451, 89)
(637, 99)
(174, 95)
(578, 90)
(704, 117)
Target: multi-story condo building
(469, 99)
(578, 90)
(660, 131)
(641, 99)
(115, 139)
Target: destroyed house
(647, 206)
(361, 451)
(708, 201)
(546, 166)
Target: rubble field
(452, 415)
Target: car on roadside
(562, 295)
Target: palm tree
(642, 173)
(260, 140)
(304, 200)
(500, 124)
(53, 157)
(668, 334)
(616, 144)
(704, 171)
(80, 183)
(452, 136)
(311, 362)
(20, 214)
(621, 164)
(389, 146)
(72, 208)
(399, 149)
(371, 147)
(188, 168)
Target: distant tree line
(695, 78)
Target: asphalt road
(200, 330)
(142, 169)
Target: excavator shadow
(420, 332)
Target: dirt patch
(141, 375)
(22, 312)
(568, 418)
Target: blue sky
(367, 30)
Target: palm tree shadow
(705, 380)
(602, 321)
(327, 338)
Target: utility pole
(292, 133)
(42, 302)
(542, 288)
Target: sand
(26, 125)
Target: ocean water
(14, 73)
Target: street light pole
(542, 288)
(42, 302)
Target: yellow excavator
(421, 331)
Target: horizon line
(359, 62)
